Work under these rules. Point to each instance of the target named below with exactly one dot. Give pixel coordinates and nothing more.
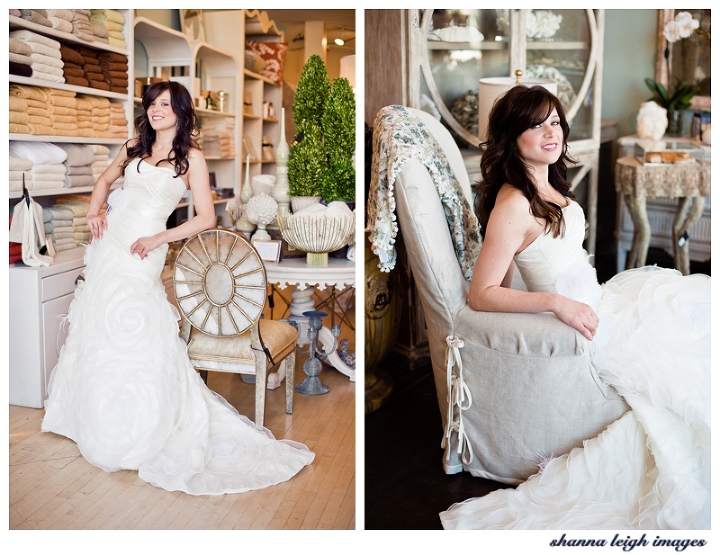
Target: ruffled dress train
(650, 469)
(124, 389)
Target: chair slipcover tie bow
(458, 396)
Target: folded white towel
(38, 152)
(67, 15)
(19, 163)
(41, 75)
(44, 49)
(77, 154)
(47, 60)
(45, 69)
(28, 36)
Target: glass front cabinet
(457, 48)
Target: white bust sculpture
(651, 121)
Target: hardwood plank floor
(51, 486)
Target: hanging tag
(49, 245)
(684, 239)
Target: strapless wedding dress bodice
(651, 468)
(124, 389)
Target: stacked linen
(63, 111)
(73, 66)
(61, 222)
(36, 16)
(39, 121)
(81, 25)
(81, 231)
(19, 57)
(114, 21)
(19, 167)
(78, 165)
(100, 32)
(118, 121)
(84, 116)
(217, 143)
(101, 160)
(45, 55)
(83, 198)
(99, 114)
(91, 66)
(60, 20)
(115, 69)
(18, 116)
(48, 171)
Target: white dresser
(39, 298)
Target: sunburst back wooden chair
(221, 289)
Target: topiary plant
(307, 163)
(338, 124)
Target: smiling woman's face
(542, 144)
(160, 112)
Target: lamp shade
(492, 88)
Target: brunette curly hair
(187, 123)
(512, 114)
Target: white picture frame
(192, 24)
(269, 251)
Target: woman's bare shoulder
(511, 201)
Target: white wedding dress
(650, 469)
(124, 389)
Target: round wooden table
(690, 183)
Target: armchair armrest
(522, 334)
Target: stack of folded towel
(114, 21)
(99, 114)
(73, 66)
(115, 69)
(61, 222)
(18, 116)
(19, 166)
(91, 66)
(81, 25)
(79, 197)
(101, 161)
(78, 165)
(48, 171)
(81, 231)
(63, 111)
(45, 55)
(39, 120)
(19, 57)
(118, 121)
(216, 143)
(61, 20)
(40, 17)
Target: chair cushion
(235, 353)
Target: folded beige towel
(19, 46)
(61, 25)
(50, 171)
(33, 111)
(114, 27)
(44, 49)
(18, 117)
(67, 15)
(19, 163)
(65, 126)
(35, 16)
(99, 149)
(103, 16)
(62, 111)
(19, 58)
(112, 41)
(36, 129)
(17, 104)
(40, 120)
(58, 92)
(19, 128)
(60, 118)
(28, 92)
(62, 101)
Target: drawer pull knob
(79, 279)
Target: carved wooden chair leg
(289, 382)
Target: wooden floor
(52, 486)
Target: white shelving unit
(39, 296)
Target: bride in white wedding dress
(650, 329)
(124, 389)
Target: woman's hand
(577, 315)
(144, 245)
(97, 224)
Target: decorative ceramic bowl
(317, 234)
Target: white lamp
(492, 88)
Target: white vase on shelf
(282, 155)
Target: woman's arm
(198, 180)
(95, 220)
(510, 229)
